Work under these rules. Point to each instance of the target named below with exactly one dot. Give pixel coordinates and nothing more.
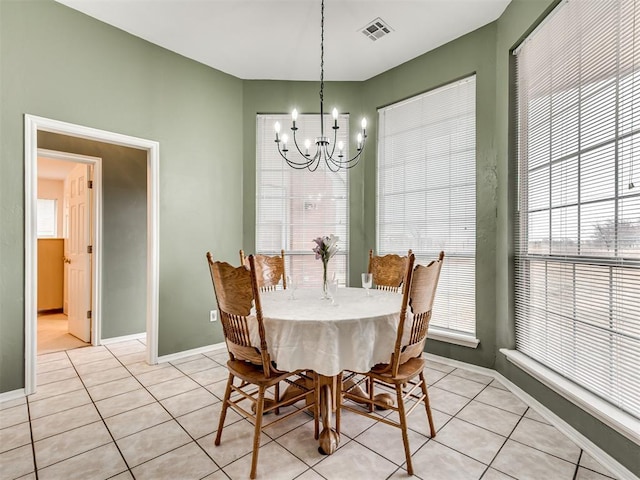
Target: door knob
(66, 260)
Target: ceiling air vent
(376, 29)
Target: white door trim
(32, 124)
(96, 227)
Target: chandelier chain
(322, 53)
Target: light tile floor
(102, 412)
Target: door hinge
(89, 248)
(89, 183)
(88, 313)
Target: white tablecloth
(310, 333)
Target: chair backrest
(419, 293)
(236, 290)
(270, 270)
(388, 271)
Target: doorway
(38, 125)
(68, 186)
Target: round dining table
(354, 331)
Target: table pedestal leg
(385, 398)
(329, 438)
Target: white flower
(326, 247)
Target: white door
(77, 254)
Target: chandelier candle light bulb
(277, 129)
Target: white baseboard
(450, 337)
(124, 338)
(187, 353)
(12, 395)
(602, 457)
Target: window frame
(427, 128)
(299, 258)
(51, 233)
(551, 357)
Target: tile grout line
(170, 415)
(575, 473)
(462, 420)
(449, 374)
(107, 428)
(522, 416)
(503, 444)
(33, 443)
(429, 439)
(101, 418)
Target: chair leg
(427, 404)
(223, 412)
(403, 426)
(338, 394)
(276, 396)
(316, 405)
(257, 431)
(370, 385)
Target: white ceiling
(280, 39)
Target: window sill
(451, 337)
(611, 416)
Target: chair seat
(406, 371)
(251, 373)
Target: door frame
(33, 124)
(96, 234)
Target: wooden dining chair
(270, 270)
(405, 370)
(388, 271)
(238, 297)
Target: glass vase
(325, 280)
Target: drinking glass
(333, 291)
(367, 281)
(291, 286)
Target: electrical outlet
(213, 315)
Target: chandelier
(325, 149)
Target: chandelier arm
(297, 166)
(352, 162)
(295, 142)
(315, 163)
(293, 163)
(335, 138)
(331, 162)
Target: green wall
(60, 64)
(124, 230)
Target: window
(427, 193)
(295, 206)
(47, 217)
(577, 284)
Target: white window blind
(577, 283)
(427, 192)
(295, 206)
